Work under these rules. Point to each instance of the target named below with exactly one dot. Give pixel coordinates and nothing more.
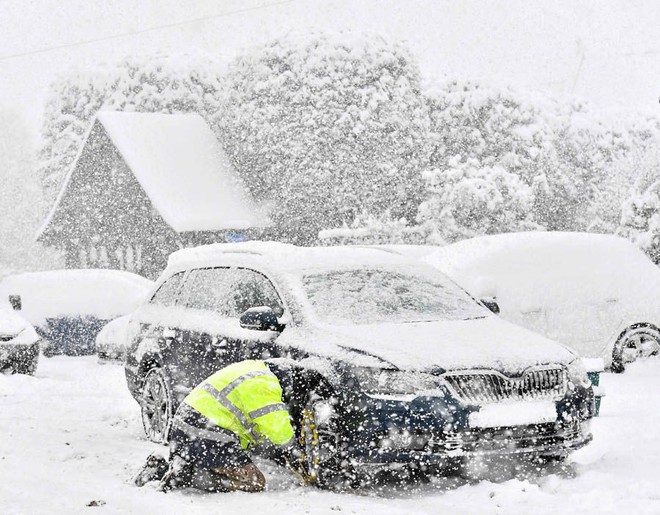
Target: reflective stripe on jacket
(245, 398)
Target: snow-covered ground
(72, 435)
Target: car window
(253, 289)
(166, 294)
(210, 289)
(230, 292)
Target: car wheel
(322, 456)
(156, 404)
(635, 342)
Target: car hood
(483, 343)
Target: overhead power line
(143, 31)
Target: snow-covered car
(597, 293)
(384, 360)
(69, 307)
(19, 343)
(111, 340)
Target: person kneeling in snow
(228, 413)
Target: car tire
(636, 341)
(322, 453)
(156, 406)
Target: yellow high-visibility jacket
(246, 399)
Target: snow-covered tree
(468, 199)
(557, 155)
(640, 213)
(494, 127)
(159, 83)
(21, 200)
(327, 127)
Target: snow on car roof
(539, 268)
(103, 293)
(284, 257)
(180, 165)
(551, 247)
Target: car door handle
(169, 334)
(167, 337)
(216, 343)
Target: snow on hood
(105, 294)
(483, 343)
(10, 323)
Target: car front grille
(489, 386)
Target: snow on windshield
(367, 296)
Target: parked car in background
(384, 360)
(597, 293)
(69, 307)
(19, 343)
(112, 339)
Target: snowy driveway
(72, 435)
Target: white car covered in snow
(597, 293)
(19, 343)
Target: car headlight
(395, 382)
(577, 373)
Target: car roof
(540, 247)
(282, 257)
(93, 276)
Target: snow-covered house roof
(181, 167)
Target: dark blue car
(68, 308)
(383, 360)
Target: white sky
(605, 51)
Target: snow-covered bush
(168, 84)
(327, 127)
(468, 199)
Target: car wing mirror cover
(16, 302)
(260, 318)
(491, 304)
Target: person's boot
(154, 469)
(208, 480)
(247, 478)
(178, 475)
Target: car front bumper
(437, 430)
(18, 354)
(440, 449)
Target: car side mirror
(491, 304)
(16, 302)
(261, 318)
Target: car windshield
(367, 296)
